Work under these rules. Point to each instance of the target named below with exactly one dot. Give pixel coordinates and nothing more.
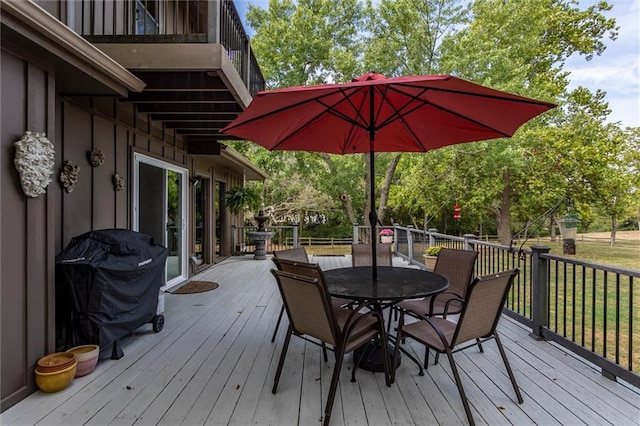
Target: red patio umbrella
(374, 113)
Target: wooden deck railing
(284, 237)
(589, 308)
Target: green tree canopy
(519, 46)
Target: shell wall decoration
(96, 158)
(118, 182)
(34, 160)
(69, 176)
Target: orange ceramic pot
(55, 362)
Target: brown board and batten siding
(94, 203)
(35, 229)
(54, 80)
(26, 229)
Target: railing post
(467, 244)
(213, 21)
(409, 243)
(295, 235)
(246, 63)
(539, 290)
(355, 233)
(233, 240)
(432, 239)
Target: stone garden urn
(260, 237)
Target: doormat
(196, 287)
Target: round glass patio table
(393, 285)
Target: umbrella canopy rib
(328, 109)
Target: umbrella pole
(373, 216)
(373, 220)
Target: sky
(616, 71)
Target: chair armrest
(446, 305)
(352, 322)
(456, 297)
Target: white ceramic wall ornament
(34, 160)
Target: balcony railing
(589, 308)
(169, 21)
(284, 237)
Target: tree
(306, 41)
(516, 46)
(317, 41)
(520, 47)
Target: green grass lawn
(624, 254)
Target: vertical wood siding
(26, 280)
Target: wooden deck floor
(214, 364)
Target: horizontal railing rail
(328, 241)
(586, 307)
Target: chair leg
(334, 384)
(275, 332)
(324, 352)
(426, 357)
(463, 396)
(479, 342)
(509, 371)
(391, 309)
(357, 362)
(281, 362)
(394, 362)
(385, 354)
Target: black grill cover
(107, 285)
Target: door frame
(184, 181)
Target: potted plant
(430, 256)
(386, 235)
(243, 198)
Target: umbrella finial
(368, 76)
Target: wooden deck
(214, 364)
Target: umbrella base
(372, 360)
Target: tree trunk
(386, 186)
(348, 207)
(503, 214)
(614, 229)
(552, 226)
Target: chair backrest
(299, 254)
(361, 254)
(308, 308)
(483, 306)
(306, 269)
(457, 266)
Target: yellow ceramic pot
(57, 380)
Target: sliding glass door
(160, 210)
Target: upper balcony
(194, 56)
